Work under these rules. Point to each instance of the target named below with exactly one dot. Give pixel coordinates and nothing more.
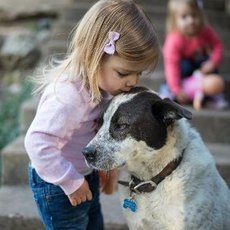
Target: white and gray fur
(141, 134)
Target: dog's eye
(121, 126)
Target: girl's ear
(168, 111)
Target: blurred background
(31, 32)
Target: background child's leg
(193, 87)
(214, 88)
(187, 68)
(197, 101)
(213, 84)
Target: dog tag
(130, 203)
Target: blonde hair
(172, 10)
(137, 43)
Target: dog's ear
(168, 111)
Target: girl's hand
(182, 98)
(207, 67)
(108, 181)
(80, 195)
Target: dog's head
(134, 123)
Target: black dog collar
(139, 186)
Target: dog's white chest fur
(194, 196)
(153, 209)
(142, 134)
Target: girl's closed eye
(139, 74)
(121, 74)
(184, 16)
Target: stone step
(72, 14)
(29, 107)
(62, 30)
(27, 113)
(157, 13)
(15, 160)
(221, 153)
(18, 210)
(212, 125)
(217, 5)
(59, 47)
(55, 48)
(157, 78)
(211, 5)
(215, 18)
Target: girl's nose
(190, 19)
(132, 81)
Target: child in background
(192, 53)
(112, 45)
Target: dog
(171, 179)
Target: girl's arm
(214, 41)
(50, 130)
(172, 58)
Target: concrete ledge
(156, 12)
(59, 47)
(18, 210)
(212, 124)
(20, 223)
(221, 153)
(27, 113)
(15, 160)
(14, 163)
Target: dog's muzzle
(89, 154)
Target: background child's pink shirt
(177, 47)
(63, 125)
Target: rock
(19, 51)
(14, 10)
(1, 40)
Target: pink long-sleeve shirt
(177, 46)
(64, 123)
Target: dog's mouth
(102, 159)
(106, 165)
(122, 165)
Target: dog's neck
(158, 159)
(139, 186)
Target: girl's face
(187, 20)
(118, 75)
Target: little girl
(111, 47)
(191, 45)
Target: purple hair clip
(110, 46)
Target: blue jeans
(188, 66)
(56, 211)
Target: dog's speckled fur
(141, 134)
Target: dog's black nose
(89, 153)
